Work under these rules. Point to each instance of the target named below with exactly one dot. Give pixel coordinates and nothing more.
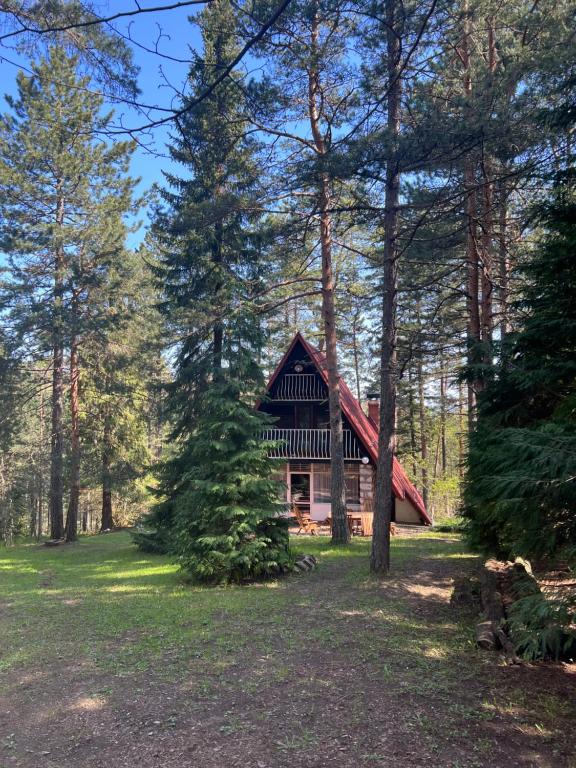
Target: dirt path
(345, 672)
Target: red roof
(364, 427)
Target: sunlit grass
(102, 592)
(105, 609)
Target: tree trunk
(461, 456)
(340, 533)
(470, 215)
(422, 429)
(487, 309)
(487, 264)
(384, 499)
(107, 522)
(40, 469)
(57, 434)
(32, 508)
(356, 356)
(74, 501)
(504, 264)
(412, 416)
(443, 450)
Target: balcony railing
(300, 386)
(309, 444)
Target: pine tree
(121, 378)
(63, 194)
(308, 86)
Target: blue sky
(175, 36)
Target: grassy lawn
(112, 654)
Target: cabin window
(322, 476)
(322, 484)
(352, 481)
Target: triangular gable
(365, 429)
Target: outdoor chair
(304, 523)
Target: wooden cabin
(297, 395)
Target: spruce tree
(121, 378)
(520, 491)
(223, 501)
(218, 515)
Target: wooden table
(361, 520)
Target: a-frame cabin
(297, 395)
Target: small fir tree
(220, 512)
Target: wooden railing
(309, 444)
(300, 386)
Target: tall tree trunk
(443, 416)
(218, 329)
(470, 215)
(340, 533)
(57, 434)
(412, 426)
(32, 508)
(461, 455)
(486, 307)
(356, 356)
(384, 497)
(503, 259)
(486, 315)
(422, 429)
(74, 501)
(40, 469)
(107, 522)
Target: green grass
(103, 601)
(119, 619)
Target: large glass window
(322, 483)
(352, 481)
(322, 477)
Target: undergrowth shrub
(543, 628)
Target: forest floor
(108, 660)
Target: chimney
(374, 407)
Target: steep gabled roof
(364, 427)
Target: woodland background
(294, 123)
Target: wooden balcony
(299, 387)
(309, 444)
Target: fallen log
(501, 584)
(507, 645)
(522, 582)
(485, 636)
(490, 593)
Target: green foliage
(69, 281)
(449, 524)
(542, 627)
(221, 514)
(219, 505)
(206, 235)
(122, 376)
(520, 487)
